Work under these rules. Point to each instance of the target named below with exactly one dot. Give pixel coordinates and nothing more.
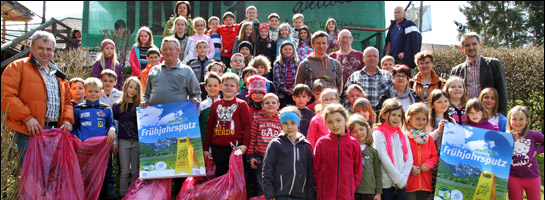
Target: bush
(524, 68)
(74, 62)
(10, 162)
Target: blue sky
(443, 14)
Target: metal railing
(367, 41)
(63, 34)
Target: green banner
(100, 15)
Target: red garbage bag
(262, 197)
(188, 186)
(229, 186)
(50, 168)
(93, 155)
(210, 168)
(158, 189)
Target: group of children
(320, 150)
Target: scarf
(406, 94)
(254, 105)
(388, 132)
(419, 136)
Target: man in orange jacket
(36, 94)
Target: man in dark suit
(481, 72)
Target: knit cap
(263, 26)
(105, 42)
(246, 44)
(258, 83)
(287, 42)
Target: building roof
(13, 11)
(74, 23)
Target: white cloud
(166, 119)
(455, 135)
(474, 145)
(491, 144)
(149, 115)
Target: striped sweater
(216, 40)
(264, 128)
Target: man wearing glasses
(351, 60)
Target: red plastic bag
(262, 197)
(210, 168)
(93, 155)
(149, 189)
(50, 168)
(229, 186)
(190, 183)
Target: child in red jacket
(419, 185)
(337, 158)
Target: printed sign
(474, 163)
(170, 141)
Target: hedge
(523, 68)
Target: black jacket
(268, 49)
(413, 41)
(491, 75)
(287, 168)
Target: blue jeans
(258, 174)
(21, 141)
(393, 194)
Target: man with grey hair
(36, 94)
(481, 72)
(171, 81)
(351, 60)
(373, 80)
(403, 39)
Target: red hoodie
(337, 166)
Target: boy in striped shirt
(265, 127)
(213, 24)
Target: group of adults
(37, 95)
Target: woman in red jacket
(419, 185)
(337, 158)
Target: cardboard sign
(474, 163)
(170, 141)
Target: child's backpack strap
(411, 83)
(268, 86)
(335, 69)
(308, 74)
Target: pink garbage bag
(93, 155)
(229, 186)
(50, 168)
(141, 189)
